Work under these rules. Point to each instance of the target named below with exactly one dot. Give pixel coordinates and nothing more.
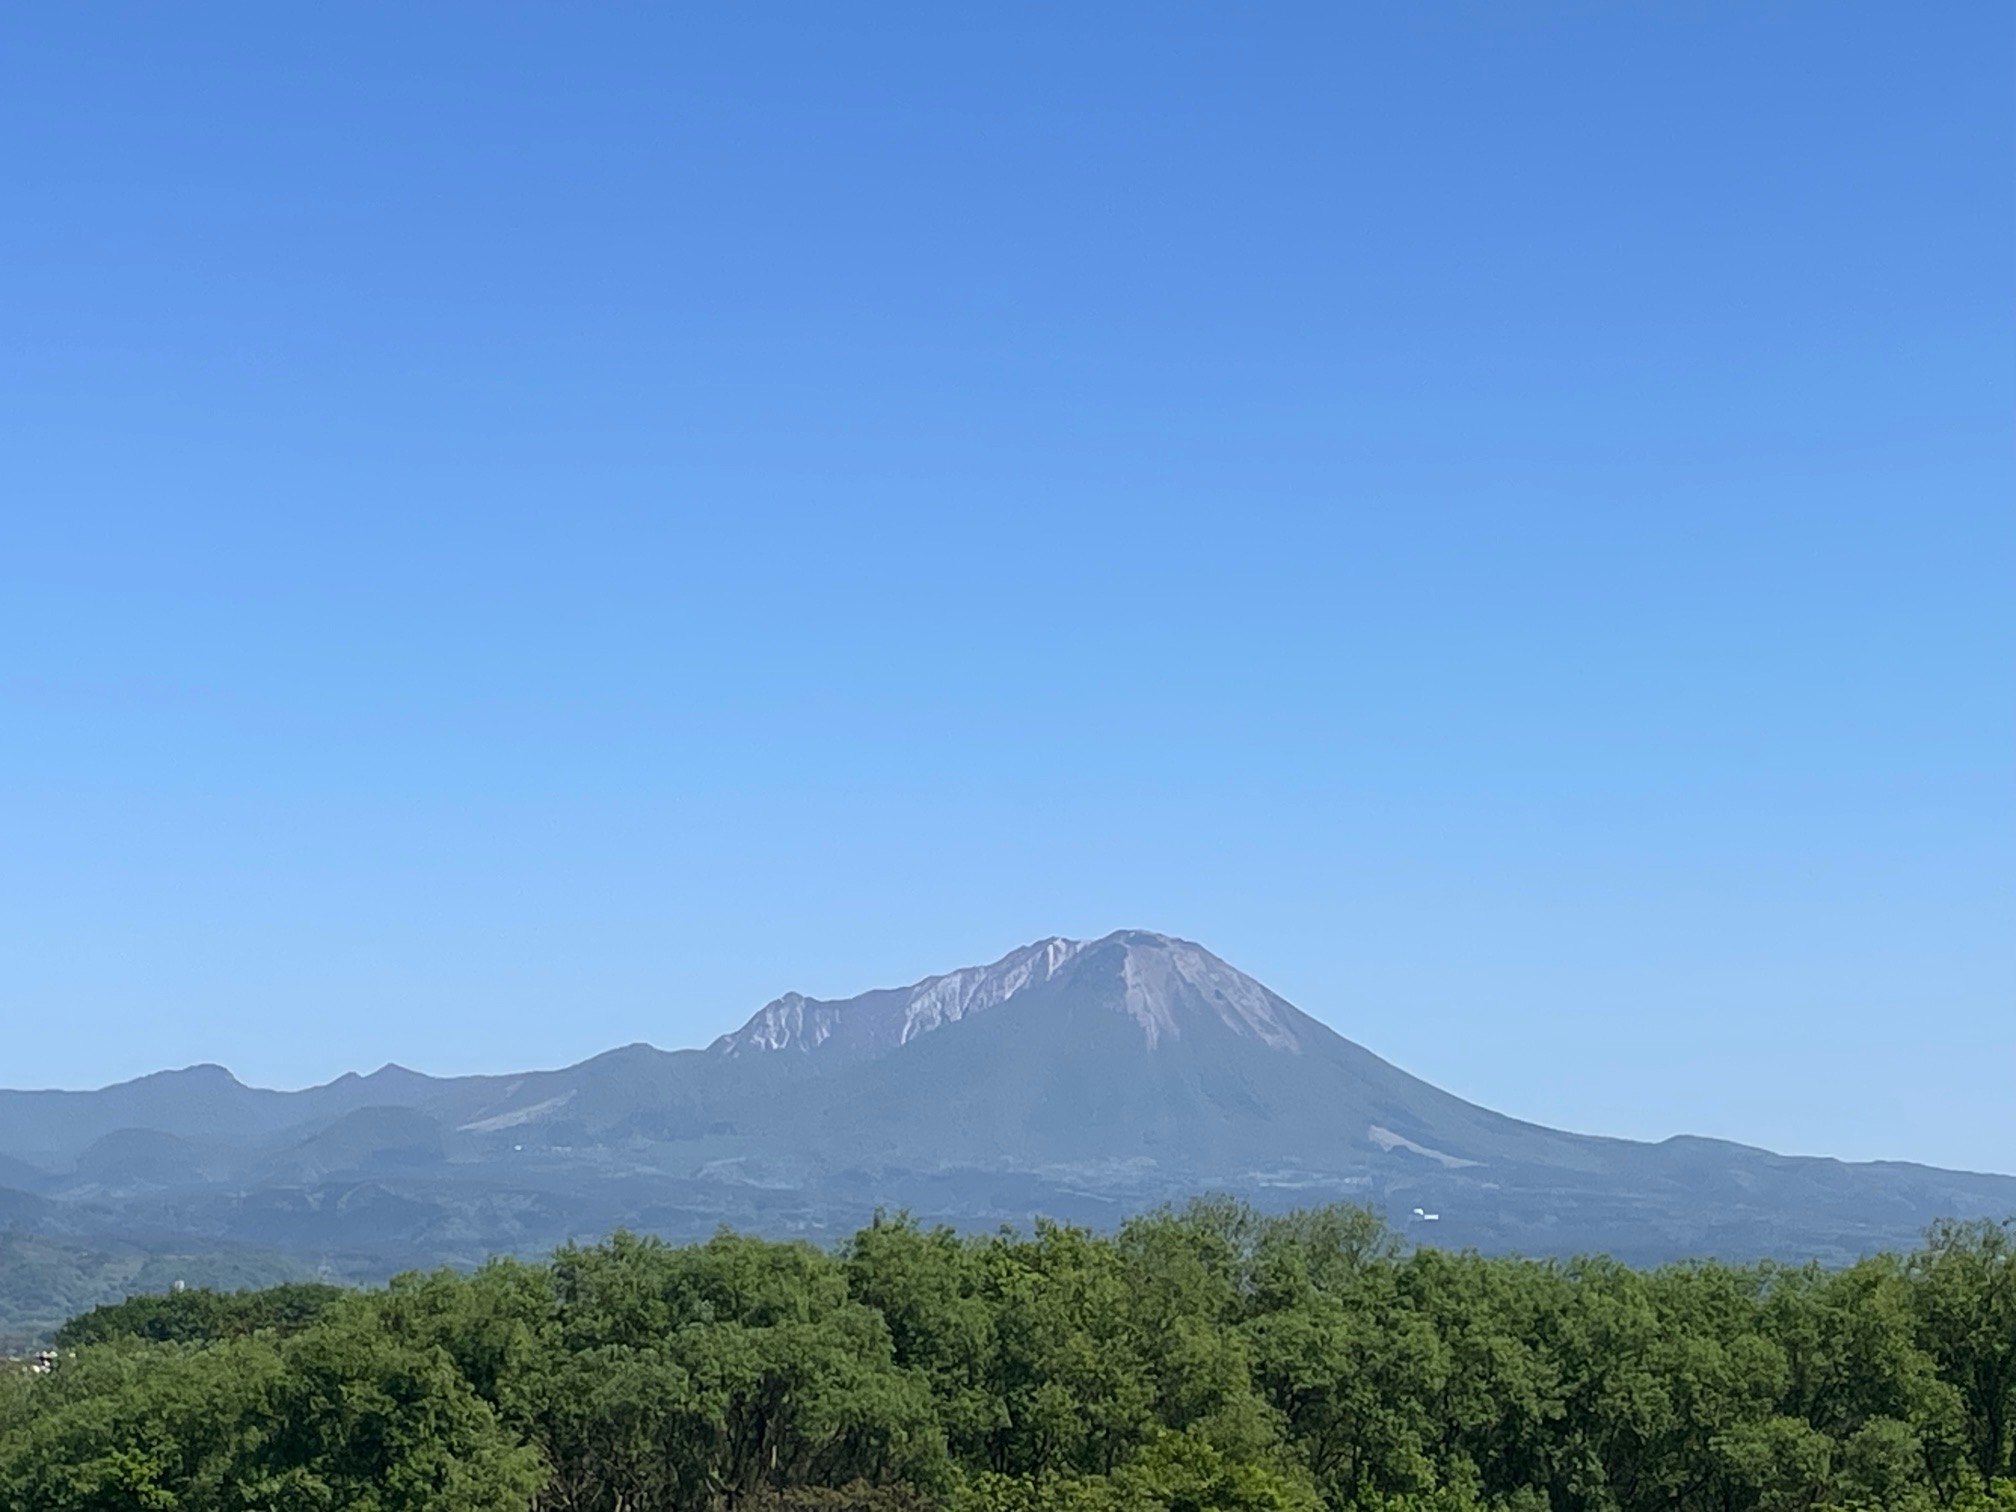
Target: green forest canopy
(1203, 1360)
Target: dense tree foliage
(182, 1316)
(1209, 1360)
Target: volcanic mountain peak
(1164, 984)
(1168, 982)
(1117, 1073)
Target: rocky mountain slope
(1080, 1079)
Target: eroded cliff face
(1167, 984)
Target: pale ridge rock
(894, 1017)
(793, 1021)
(1166, 981)
(942, 1000)
(1169, 972)
(517, 1116)
(1388, 1141)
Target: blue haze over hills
(1077, 1080)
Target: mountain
(1078, 1079)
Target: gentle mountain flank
(1080, 1079)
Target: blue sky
(528, 528)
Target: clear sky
(528, 528)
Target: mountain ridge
(1079, 1078)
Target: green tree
(1965, 1299)
(198, 1314)
(140, 1426)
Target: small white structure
(1427, 1217)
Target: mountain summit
(1079, 1079)
(1163, 984)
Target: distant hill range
(1080, 1080)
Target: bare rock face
(891, 1017)
(1166, 985)
(1171, 988)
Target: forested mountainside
(1085, 1080)
(1212, 1359)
